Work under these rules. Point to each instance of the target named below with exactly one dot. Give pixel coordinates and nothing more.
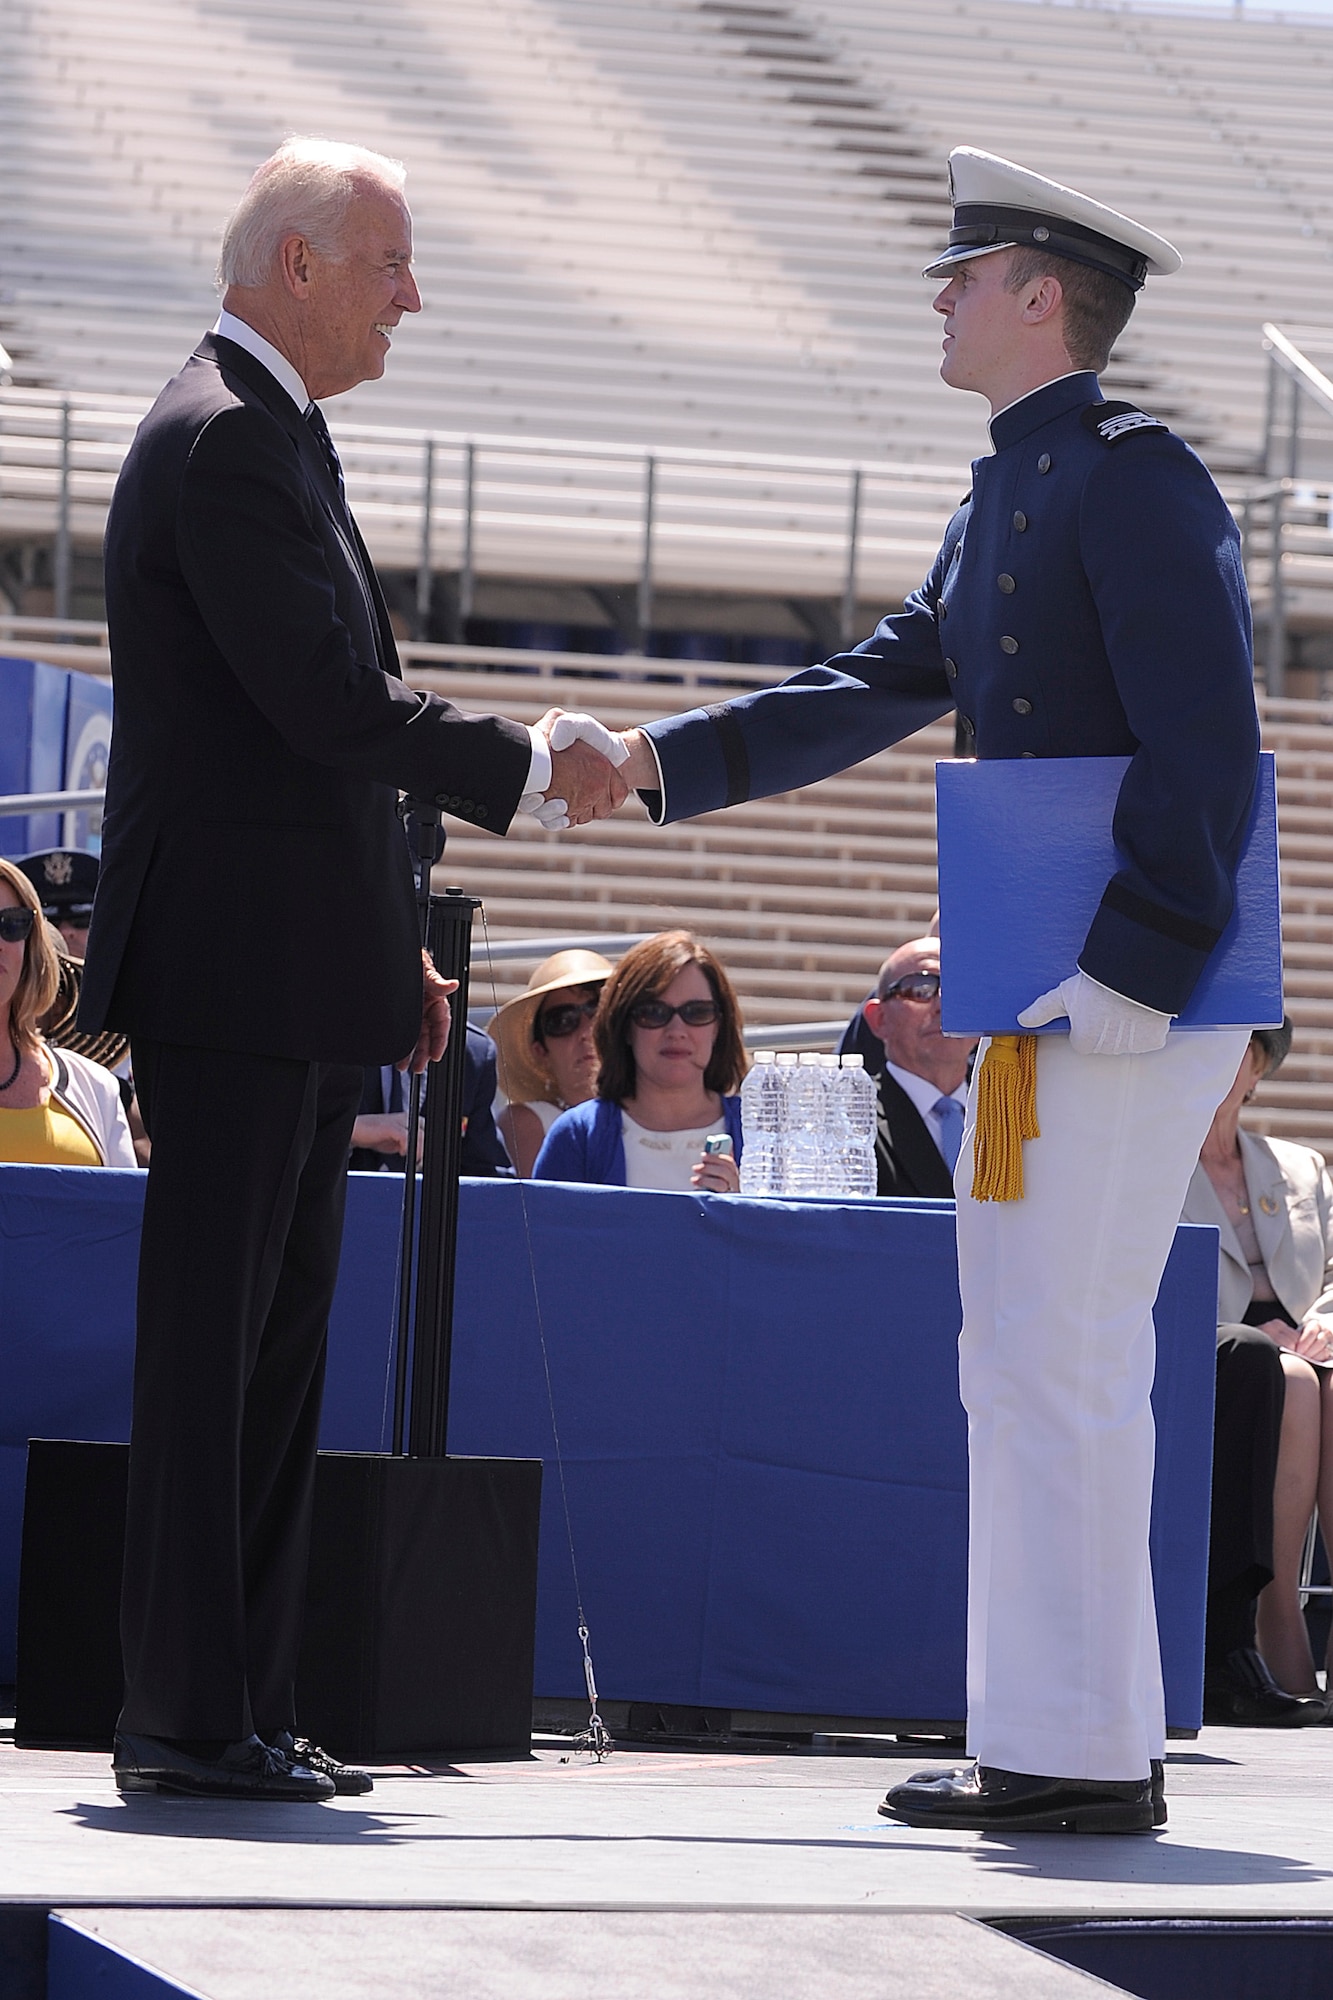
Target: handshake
(592, 770)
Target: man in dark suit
(923, 1086)
(379, 1137)
(263, 734)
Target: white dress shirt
(925, 1096)
(280, 368)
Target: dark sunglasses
(558, 1022)
(16, 925)
(656, 1013)
(916, 986)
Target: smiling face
(350, 309)
(676, 1057)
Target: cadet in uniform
(1088, 601)
(66, 880)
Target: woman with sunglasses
(668, 1035)
(546, 1059)
(57, 1109)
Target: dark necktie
(314, 416)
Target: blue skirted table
(764, 1451)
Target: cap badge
(58, 869)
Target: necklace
(17, 1060)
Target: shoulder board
(1113, 421)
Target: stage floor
(1251, 1835)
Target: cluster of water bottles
(809, 1126)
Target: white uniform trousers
(1056, 1367)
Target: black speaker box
(420, 1615)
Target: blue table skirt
(758, 1408)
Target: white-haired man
(255, 933)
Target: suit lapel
(238, 361)
(920, 1164)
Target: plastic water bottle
(761, 1126)
(835, 1132)
(805, 1147)
(858, 1103)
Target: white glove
(1101, 1023)
(553, 814)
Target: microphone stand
(429, 1254)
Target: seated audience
(379, 1136)
(671, 1057)
(858, 1039)
(56, 1107)
(547, 1059)
(1273, 1435)
(923, 1081)
(65, 879)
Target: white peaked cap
(998, 205)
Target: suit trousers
(1056, 1363)
(241, 1233)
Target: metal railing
(1287, 523)
(466, 505)
(630, 521)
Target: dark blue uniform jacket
(1088, 601)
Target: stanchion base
(421, 1613)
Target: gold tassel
(1006, 1115)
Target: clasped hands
(592, 769)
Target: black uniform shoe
(1240, 1691)
(983, 1799)
(346, 1781)
(248, 1770)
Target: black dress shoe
(1240, 1692)
(1157, 1781)
(349, 1783)
(248, 1770)
(983, 1799)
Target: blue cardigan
(588, 1143)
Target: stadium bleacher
(692, 227)
(672, 221)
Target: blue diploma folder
(1025, 852)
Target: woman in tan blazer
(1272, 1203)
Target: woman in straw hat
(56, 1107)
(546, 1057)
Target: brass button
(1044, 462)
(951, 669)
(1021, 521)
(1022, 707)
(1008, 645)
(1006, 584)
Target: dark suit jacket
(255, 889)
(907, 1159)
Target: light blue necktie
(950, 1114)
